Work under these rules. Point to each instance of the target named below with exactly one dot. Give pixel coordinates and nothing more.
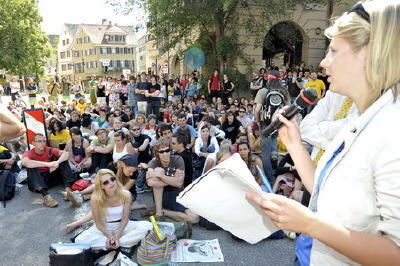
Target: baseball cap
(129, 160)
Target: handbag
(83, 258)
(153, 251)
(80, 184)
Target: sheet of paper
(189, 250)
(220, 197)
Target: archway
(285, 41)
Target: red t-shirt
(215, 80)
(167, 116)
(183, 84)
(44, 157)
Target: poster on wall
(35, 122)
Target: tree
(217, 21)
(24, 47)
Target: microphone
(307, 97)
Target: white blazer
(361, 190)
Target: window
(62, 55)
(67, 41)
(68, 53)
(113, 50)
(69, 66)
(63, 42)
(117, 50)
(118, 63)
(108, 50)
(63, 67)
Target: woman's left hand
(285, 213)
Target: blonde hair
(99, 197)
(382, 37)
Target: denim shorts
(169, 201)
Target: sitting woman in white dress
(110, 204)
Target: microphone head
(307, 97)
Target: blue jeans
(266, 149)
(141, 179)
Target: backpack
(271, 104)
(7, 185)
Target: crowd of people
(155, 134)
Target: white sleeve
(317, 128)
(215, 142)
(197, 146)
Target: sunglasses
(164, 151)
(135, 129)
(242, 111)
(359, 10)
(112, 179)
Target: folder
(220, 196)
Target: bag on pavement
(80, 184)
(7, 185)
(153, 251)
(70, 254)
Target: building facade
(97, 49)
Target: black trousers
(62, 175)
(100, 160)
(153, 108)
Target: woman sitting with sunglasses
(110, 205)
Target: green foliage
(23, 46)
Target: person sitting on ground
(251, 160)
(214, 130)
(79, 158)
(110, 119)
(44, 172)
(100, 149)
(165, 131)
(240, 137)
(243, 118)
(59, 135)
(126, 172)
(102, 118)
(165, 174)
(141, 146)
(186, 130)
(8, 160)
(122, 146)
(205, 145)
(178, 144)
(110, 204)
(151, 128)
(231, 127)
(127, 116)
(117, 126)
(74, 120)
(254, 137)
(212, 159)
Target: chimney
(103, 21)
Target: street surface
(28, 228)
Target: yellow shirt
(81, 107)
(318, 85)
(62, 137)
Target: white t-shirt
(15, 87)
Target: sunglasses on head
(164, 151)
(360, 10)
(111, 179)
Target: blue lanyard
(321, 177)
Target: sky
(57, 12)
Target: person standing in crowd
(140, 93)
(227, 89)
(151, 93)
(255, 84)
(31, 90)
(353, 214)
(92, 89)
(316, 84)
(101, 93)
(66, 89)
(52, 89)
(214, 84)
(132, 102)
(15, 88)
(45, 172)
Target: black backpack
(273, 101)
(7, 185)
